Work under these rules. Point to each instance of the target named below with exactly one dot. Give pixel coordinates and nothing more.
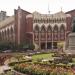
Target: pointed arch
(55, 33)
(49, 29)
(5, 34)
(2, 35)
(8, 31)
(11, 34)
(43, 29)
(55, 29)
(11, 30)
(49, 33)
(36, 32)
(36, 28)
(43, 33)
(62, 32)
(62, 28)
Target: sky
(42, 6)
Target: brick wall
(23, 25)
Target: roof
(70, 11)
(38, 15)
(7, 21)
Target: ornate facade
(49, 29)
(44, 30)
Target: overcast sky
(41, 6)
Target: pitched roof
(7, 21)
(70, 11)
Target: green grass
(73, 60)
(42, 56)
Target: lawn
(42, 56)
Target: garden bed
(38, 69)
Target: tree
(31, 46)
(5, 45)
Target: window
(49, 33)
(62, 32)
(55, 33)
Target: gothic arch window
(49, 32)
(2, 35)
(36, 28)
(55, 33)
(62, 32)
(11, 33)
(8, 31)
(5, 35)
(49, 28)
(5, 32)
(43, 29)
(43, 33)
(36, 32)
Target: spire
(19, 7)
(61, 9)
(48, 9)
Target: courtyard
(41, 63)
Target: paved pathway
(4, 67)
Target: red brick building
(69, 21)
(17, 28)
(46, 31)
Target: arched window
(36, 32)
(5, 35)
(43, 29)
(55, 33)
(11, 34)
(62, 32)
(49, 33)
(36, 28)
(5, 32)
(2, 35)
(43, 33)
(8, 31)
(12, 31)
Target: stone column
(46, 41)
(52, 40)
(39, 41)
